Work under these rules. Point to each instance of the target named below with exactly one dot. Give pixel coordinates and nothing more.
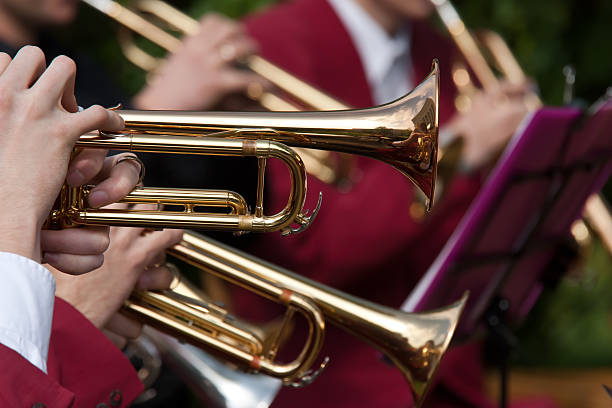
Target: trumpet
(403, 133)
(294, 95)
(415, 343)
(596, 212)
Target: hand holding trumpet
(202, 71)
(40, 124)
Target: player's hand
(490, 122)
(80, 250)
(40, 124)
(203, 71)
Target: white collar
(378, 51)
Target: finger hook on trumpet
(303, 220)
(309, 376)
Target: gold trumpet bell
(418, 156)
(417, 348)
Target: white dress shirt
(385, 59)
(27, 293)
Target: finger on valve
(120, 174)
(85, 165)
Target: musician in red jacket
(66, 362)
(365, 240)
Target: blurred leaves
(545, 35)
(230, 8)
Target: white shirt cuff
(27, 291)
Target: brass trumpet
(403, 133)
(596, 212)
(414, 342)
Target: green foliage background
(547, 34)
(573, 325)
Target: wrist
(21, 238)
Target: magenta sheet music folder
(506, 242)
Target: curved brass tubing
(75, 211)
(204, 326)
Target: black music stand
(507, 247)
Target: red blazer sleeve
(84, 369)
(85, 362)
(23, 385)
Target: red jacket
(364, 241)
(84, 369)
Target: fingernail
(75, 178)
(98, 198)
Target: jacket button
(102, 405)
(115, 398)
(39, 405)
